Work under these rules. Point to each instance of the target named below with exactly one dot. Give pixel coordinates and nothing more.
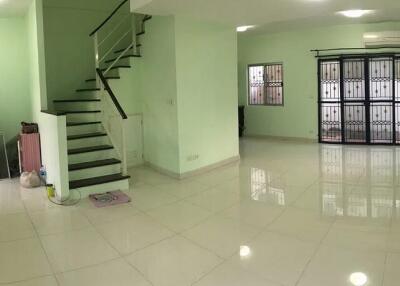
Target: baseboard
(162, 170)
(283, 138)
(196, 172)
(209, 168)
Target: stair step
(117, 67)
(87, 89)
(70, 124)
(121, 50)
(93, 164)
(80, 111)
(131, 48)
(107, 77)
(88, 135)
(89, 149)
(97, 181)
(75, 100)
(123, 57)
(140, 33)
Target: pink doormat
(109, 199)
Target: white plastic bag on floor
(30, 180)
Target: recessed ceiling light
(370, 36)
(355, 13)
(243, 28)
(244, 251)
(358, 279)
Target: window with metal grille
(265, 84)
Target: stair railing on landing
(113, 115)
(115, 34)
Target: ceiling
(274, 15)
(97, 5)
(10, 8)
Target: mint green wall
(36, 54)
(206, 65)
(159, 94)
(298, 118)
(69, 49)
(15, 103)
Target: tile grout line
(384, 268)
(318, 247)
(120, 255)
(41, 242)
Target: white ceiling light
(243, 28)
(358, 279)
(245, 251)
(355, 13)
(370, 36)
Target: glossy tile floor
(289, 214)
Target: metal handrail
(114, 29)
(118, 58)
(111, 94)
(115, 44)
(108, 18)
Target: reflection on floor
(289, 214)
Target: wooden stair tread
(87, 135)
(80, 111)
(123, 57)
(75, 100)
(87, 89)
(117, 67)
(89, 149)
(93, 164)
(107, 77)
(97, 181)
(70, 124)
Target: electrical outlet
(191, 158)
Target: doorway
(359, 99)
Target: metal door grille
(359, 100)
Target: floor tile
(133, 233)
(215, 200)
(254, 213)
(183, 189)
(22, 260)
(174, 262)
(356, 240)
(179, 216)
(115, 273)
(76, 249)
(99, 216)
(221, 235)
(149, 176)
(276, 257)
(15, 226)
(214, 178)
(36, 200)
(392, 266)
(149, 198)
(58, 220)
(334, 266)
(302, 224)
(228, 274)
(10, 202)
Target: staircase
(96, 157)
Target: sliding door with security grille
(359, 100)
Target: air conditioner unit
(382, 39)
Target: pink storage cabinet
(29, 152)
